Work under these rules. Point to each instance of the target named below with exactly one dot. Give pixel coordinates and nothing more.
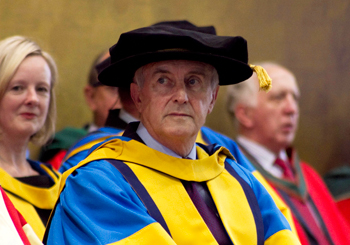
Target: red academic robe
(333, 220)
(309, 185)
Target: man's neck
(151, 142)
(264, 157)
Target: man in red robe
(267, 123)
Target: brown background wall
(311, 37)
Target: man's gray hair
(246, 93)
(242, 93)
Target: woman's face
(24, 107)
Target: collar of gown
(205, 168)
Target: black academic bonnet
(184, 24)
(139, 47)
(103, 65)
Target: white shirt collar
(92, 127)
(264, 157)
(151, 142)
(126, 116)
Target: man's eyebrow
(160, 70)
(196, 71)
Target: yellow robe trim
(146, 236)
(280, 238)
(278, 201)
(163, 184)
(88, 146)
(44, 198)
(190, 170)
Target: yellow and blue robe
(127, 193)
(206, 136)
(33, 196)
(81, 148)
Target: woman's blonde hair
(13, 50)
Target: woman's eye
(17, 88)
(42, 89)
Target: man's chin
(182, 130)
(286, 142)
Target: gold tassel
(264, 78)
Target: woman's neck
(13, 157)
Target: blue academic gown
(80, 149)
(101, 204)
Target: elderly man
(154, 184)
(267, 124)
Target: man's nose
(180, 94)
(291, 105)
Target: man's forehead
(185, 65)
(284, 79)
(281, 77)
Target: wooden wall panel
(310, 37)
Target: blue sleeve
(96, 135)
(73, 161)
(212, 137)
(274, 221)
(93, 194)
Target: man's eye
(278, 97)
(162, 80)
(193, 81)
(296, 97)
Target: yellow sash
(89, 145)
(43, 198)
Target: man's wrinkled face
(176, 98)
(276, 115)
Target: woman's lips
(28, 115)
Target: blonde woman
(27, 114)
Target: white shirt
(264, 157)
(92, 127)
(151, 142)
(126, 117)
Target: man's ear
(214, 96)
(135, 95)
(89, 93)
(243, 114)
